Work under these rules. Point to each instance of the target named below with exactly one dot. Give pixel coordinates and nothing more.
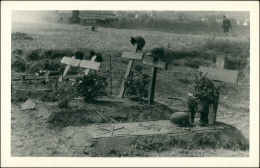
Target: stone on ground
(28, 105)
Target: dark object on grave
(192, 106)
(78, 54)
(180, 118)
(99, 57)
(203, 109)
(139, 41)
(156, 53)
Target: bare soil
(46, 130)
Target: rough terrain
(40, 128)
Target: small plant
(137, 83)
(204, 93)
(204, 88)
(35, 55)
(19, 63)
(210, 42)
(21, 36)
(17, 51)
(91, 86)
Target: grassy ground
(177, 81)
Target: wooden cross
(131, 56)
(88, 69)
(155, 64)
(71, 61)
(218, 75)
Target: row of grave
(217, 74)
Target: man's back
(226, 23)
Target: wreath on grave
(204, 93)
(91, 86)
(137, 84)
(204, 88)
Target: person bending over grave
(98, 56)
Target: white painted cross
(131, 56)
(71, 61)
(218, 75)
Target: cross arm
(147, 60)
(70, 61)
(223, 75)
(133, 56)
(89, 64)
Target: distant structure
(136, 16)
(245, 23)
(219, 20)
(153, 14)
(88, 17)
(205, 20)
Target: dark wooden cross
(218, 75)
(131, 56)
(148, 60)
(71, 61)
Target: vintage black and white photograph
(130, 83)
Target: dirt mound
(80, 113)
(21, 36)
(80, 142)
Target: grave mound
(142, 138)
(80, 113)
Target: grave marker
(218, 75)
(92, 59)
(138, 42)
(70, 62)
(155, 64)
(88, 65)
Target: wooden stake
(213, 108)
(151, 93)
(92, 59)
(23, 77)
(64, 73)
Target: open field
(184, 53)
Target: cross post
(138, 42)
(148, 60)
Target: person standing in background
(226, 25)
